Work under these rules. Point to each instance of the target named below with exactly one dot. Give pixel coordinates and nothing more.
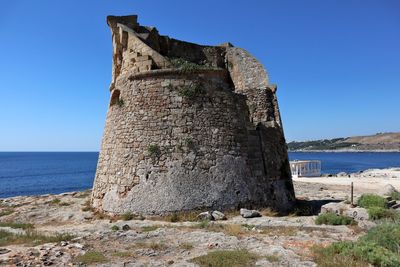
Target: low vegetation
(154, 150)
(6, 212)
(186, 246)
(24, 226)
(379, 247)
(120, 102)
(127, 216)
(183, 216)
(91, 257)
(149, 228)
(152, 245)
(187, 66)
(115, 228)
(334, 219)
(123, 254)
(273, 258)
(87, 206)
(371, 200)
(31, 238)
(378, 213)
(228, 258)
(395, 195)
(191, 92)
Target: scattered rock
(77, 245)
(126, 227)
(4, 251)
(217, 215)
(205, 216)
(358, 214)
(341, 174)
(249, 213)
(334, 207)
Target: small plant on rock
(154, 150)
(115, 228)
(191, 92)
(120, 102)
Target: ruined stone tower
(188, 127)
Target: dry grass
(152, 245)
(91, 257)
(6, 212)
(267, 212)
(149, 228)
(87, 206)
(273, 258)
(123, 254)
(31, 238)
(186, 246)
(228, 258)
(279, 231)
(184, 216)
(83, 194)
(228, 229)
(24, 226)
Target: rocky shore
(62, 230)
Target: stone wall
(178, 139)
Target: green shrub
(333, 219)
(385, 235)
(377, 213)
(355, 254)
(379, 247)
(395, 195)
(115, 228)
(220, 258)
(371, 200)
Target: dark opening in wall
(115, 97)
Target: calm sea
(350, 162)
(31, 173)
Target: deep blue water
(33, 173)
(350, 162)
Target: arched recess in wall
(115, 95)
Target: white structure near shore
(305, 168)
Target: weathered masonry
(188, 127)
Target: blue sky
(336, 63)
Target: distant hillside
(377, 142)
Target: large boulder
(387, 190)
(249, 213)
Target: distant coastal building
(305, 168)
